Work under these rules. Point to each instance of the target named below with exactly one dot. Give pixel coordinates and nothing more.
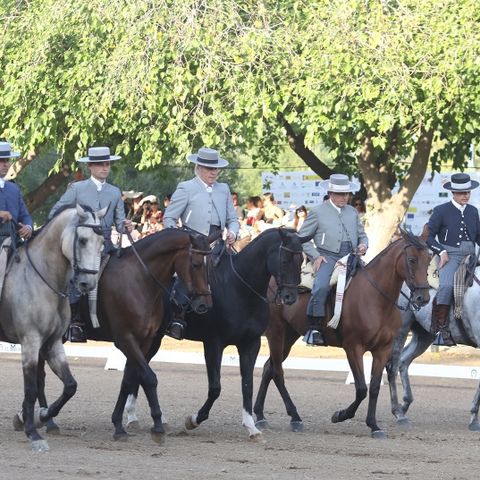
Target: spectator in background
(254, 211)
(154, 221)
(299, 218)
(166, 200)
(272, 213)
(359, 204)
(238, 208)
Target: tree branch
(297, 144)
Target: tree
(389, 87)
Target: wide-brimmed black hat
(460, 182)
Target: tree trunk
(37, 197)
(20, 164)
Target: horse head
(82, 244)
(285, 265)
(192, 270)
(414, 269)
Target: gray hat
(99, 154)
(460, 182)
(339, 183)
(131, 194)
(207, 157)
(6, 151)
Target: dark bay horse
(240, 312)
(34, 309)
(132, 292)
(465, 331)
(370, 321)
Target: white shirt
(208, 188)
(460, 207)
(2, 182)
(338, 209)
(97, 183)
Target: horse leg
(57, 361)
(355, 359)
(380, 358)
(474, 425)
(419, 343)
(280, 343)
(130, 408)
(51, 426)
(30, 355)
(392, 367)
(213, 360)
(248, 352)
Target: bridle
(278, 278)
(410, 281)
(76, 268)
(158, 282)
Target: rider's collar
(2, 182)
(457, 205)
(98, 183)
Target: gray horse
(465, 332)
(34, 308)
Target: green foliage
(156, 80)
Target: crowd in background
(257, 214)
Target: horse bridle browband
(278, 280)
(76, 269)
(409, 281)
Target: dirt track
(438, 444)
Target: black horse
(240, 312)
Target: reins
(149, 272)
(280, 285)
(76, 268)
(411, 305)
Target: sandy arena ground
(437, 445)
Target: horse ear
(425, 233)
(306, 239)
(214, 236)
(101, 213)
(81, 212)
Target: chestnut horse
(132, 292)
(370, 321)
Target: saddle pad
(4, 249)
(92, 295)
(307, 276)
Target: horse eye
(83, 241)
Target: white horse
(465, 332)
(34, 308)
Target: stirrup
(313, 338)
(175, 330)
(444, 339)
(76, 333)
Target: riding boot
(440, 317)
(75, 332)
(178, 324)
(313, 337)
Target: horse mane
(58, 212)
(408, 237)
(147, 241)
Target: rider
(12, 206)
(95, 193)
(453, 231)
(337, 231)
(204, 205)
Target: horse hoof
(257, 437)
(474, 426)
(296, 426)
(157, 437)
(190, 423)
(379, 434)
(120, 437)
(403, 422)
(40, 446)
(52, 428)
(18, 423)
(167, 427)
(261, 424)
(336, 417)
(133, 425)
